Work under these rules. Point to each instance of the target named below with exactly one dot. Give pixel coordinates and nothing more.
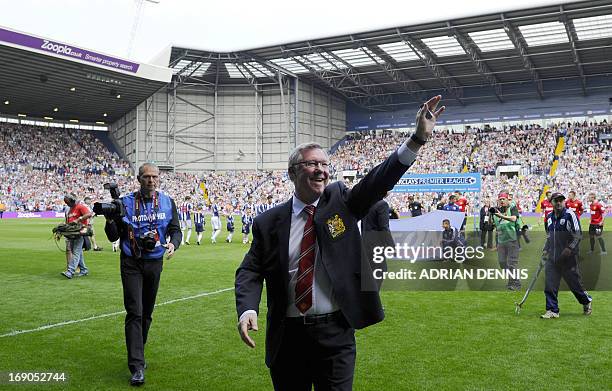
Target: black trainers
(587, 309)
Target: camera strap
(138, 200)
(133, 244)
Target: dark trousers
(140, 279)
(486, 235)
(322, 355)
(568, 269)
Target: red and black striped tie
(305, 275)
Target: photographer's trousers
(508, 258)
(140, 279)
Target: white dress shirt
(323, 301)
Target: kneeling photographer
(143, 221)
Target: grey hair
(144, 165)
(296, 155)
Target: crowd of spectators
(39, 165)
(585, 165)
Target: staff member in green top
(504, 218)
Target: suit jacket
(375, 232)
(377, 218)
(338, 237)
(484, 211)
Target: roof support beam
(571, 34)
(373, 92)
(178, 59)
(517, 39)
(390, 67)
(324, 77)
(422, 51)
(250, 77)
(482, 68)
(269, 65)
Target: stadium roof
(44, 78)
(539, 52)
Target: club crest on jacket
(336, 226)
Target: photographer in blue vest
(148, 226)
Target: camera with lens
(115, 208)
(148, 240)
(493, 210)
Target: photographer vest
(507, 230)
(145, 216)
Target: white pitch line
(50, 326)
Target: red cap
(502, 195)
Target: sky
(105, 26)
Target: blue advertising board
(425, 183)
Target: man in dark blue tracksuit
(561, 254)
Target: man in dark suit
(486, 225)
(377, 218)
(375, 232)
(309, 252)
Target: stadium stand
(38, 165)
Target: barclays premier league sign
(425, 183)
(64, 50)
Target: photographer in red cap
(561, 255)
(505, 218)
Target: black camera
(493, 210)
(148, 240)
(524, 230)
(114, 208)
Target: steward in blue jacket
(561, 255)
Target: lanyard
(138, 200)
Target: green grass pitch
(430, 340)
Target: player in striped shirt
(248, 205)
(185, 219)
(260, 208)
(199, 221)
(215, 221)
(265, 205)
(247, 221)
(230, 226)
(597, 223)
